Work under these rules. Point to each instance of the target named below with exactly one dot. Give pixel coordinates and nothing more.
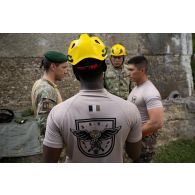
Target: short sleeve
(152, 99)
(153, 103)
(43, 108)
(45, 101)
(53, 136)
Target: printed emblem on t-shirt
(96, 137)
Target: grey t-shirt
(145, 97)
(93, 126)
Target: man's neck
(50, 77)
(118, 67)
(143, 80)
(92, 85)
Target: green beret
(55, 57)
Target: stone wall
(17, 80)
(20, 56)
(179, 120)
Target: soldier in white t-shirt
(93, 125)
(148, 101)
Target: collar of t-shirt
(147, 81)
(96, 92)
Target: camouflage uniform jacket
(117, 81)
(45, 95)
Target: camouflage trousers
(148, 148)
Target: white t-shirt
(93, 125)
(145, 97)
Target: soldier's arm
(155, 121)
(44, 107)
(51, 155)
(133, 150)
(53, 142)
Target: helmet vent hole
(73, 45)
(97, 41)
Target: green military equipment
(19, 140)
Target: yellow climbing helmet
(118, 50)
(86, 47)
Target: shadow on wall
(193, 68)
(193, 58)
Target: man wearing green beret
(45, 94)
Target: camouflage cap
(56, 57)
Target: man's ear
(142, 70)
(53, 66)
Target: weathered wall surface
(20, 56)
(179, 120)
(17, 77)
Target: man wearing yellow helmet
(90, 125)
(116, 79)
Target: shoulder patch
(46, 105)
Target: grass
(180, 151)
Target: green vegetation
(180, 151)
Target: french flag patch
(94, 108)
